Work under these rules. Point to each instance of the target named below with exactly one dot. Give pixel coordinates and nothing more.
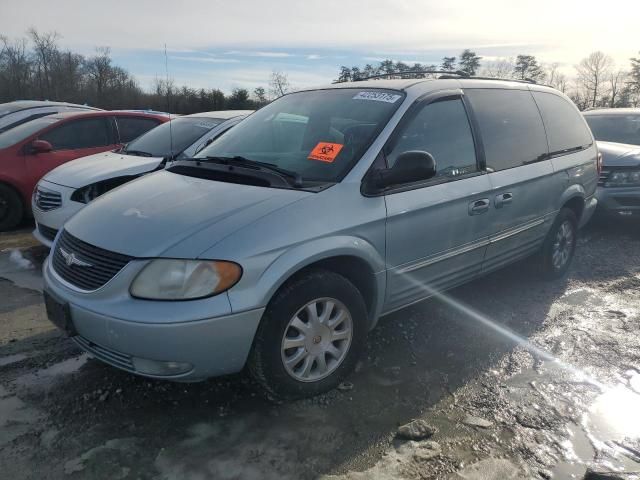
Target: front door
(70, 140)
(437, 231)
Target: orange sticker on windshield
(325, 152)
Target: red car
(30, 150)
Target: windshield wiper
(294, 177)
(138, 153)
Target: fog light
(154, 367)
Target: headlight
(622, 178)
(169, 279)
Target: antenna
(166, 68)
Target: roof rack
(523, 80)
(444, 74)
(410, 74)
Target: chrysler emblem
(71, 259)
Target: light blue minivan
(281, 245)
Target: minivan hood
(172, 215)
(619, 154)
(101, 166)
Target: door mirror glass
(41, 146)
(411, 166)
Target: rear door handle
(503, 199)
(479, 206)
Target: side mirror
(411, 166)
(41, 146)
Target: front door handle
(479, 206)
(503, 199)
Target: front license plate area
(60, 314)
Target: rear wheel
(560, 245)
(310, 337)
(11, 209)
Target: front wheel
(11, 209)
(559, 245)
(310, 337)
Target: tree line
(597, 82)
(36, 68)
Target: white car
(16, 113)
(67, 189)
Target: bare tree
(278, 84)
(46, 51)
(556, 78)
(500, 68)
(593, 72)
(100, 71)
(617, 82)
(15, 68)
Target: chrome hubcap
(316, 340)
(561, 250)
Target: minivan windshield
(318, 135)
(615, 128)
(172, 137)
(19, 133)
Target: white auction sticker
(377, 96)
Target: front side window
(564, 125)
(130, 128)
(172, 137)
(511, 127)
(442, 129)
(77, 134)
(617, 128)
(21, 132)
(318, 134)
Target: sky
(227, 44)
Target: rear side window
(130, 128)
(511, 127)
(85, 133)
(565, 128)
(442, 129)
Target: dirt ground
(507, 377)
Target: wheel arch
(574, 198)
(354, 258)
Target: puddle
(615, 415)
(578, 453)
(611, 423)
(48, 376)
(9, 359)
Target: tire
(268, 355)
(559, 245)
(11, 208)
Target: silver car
(286, 240)
(617, 131)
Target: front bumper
(618, 201)
(118, 329)
(55, 218)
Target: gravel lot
(506, 377)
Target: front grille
(105, 354)
(83, 265)
(628, 201)
(47, 199)
(47, 232)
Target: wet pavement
(512, 377)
